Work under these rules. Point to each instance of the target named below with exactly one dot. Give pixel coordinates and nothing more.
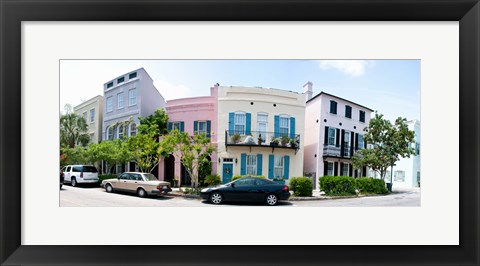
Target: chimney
(214, 90)
(307, 89)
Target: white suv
(77, 174)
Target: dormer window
(109, 85)
(132, 75)
(120, 80)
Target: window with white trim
(284, 125)
(133, 129)
(176, 125)
(346, 169)
(110, 133)
(202, 127)
(331, 136)
(330, 169)
(360, 144)
(120, 100)
(109, 104)
(240, 123)
(120, 131)
(84, 115)
(262, 126)
(346, 143)
(132, 97)
(92, 115)
(251, 164)
(399, 176)
(278, 167)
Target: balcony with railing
(340, 151)
(263, 139)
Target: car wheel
(141, 193)
(216, 198)
(109, 188)
(271, 199)
(74, 182)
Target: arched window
(121, 131)
(110, 133)
(133, 129)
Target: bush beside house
(371, 185)
(301, 186)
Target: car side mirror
(232, 185)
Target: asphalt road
(89, 196)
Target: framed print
(39, 38)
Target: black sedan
(247, 189)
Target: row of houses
(256, 131)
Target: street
(89, 196)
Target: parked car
(143, 184)
(80, 174)
(247, 189)
(62, 178)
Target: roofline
(128, 73)
(371, 110)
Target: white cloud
(353, 68)
(172, 91)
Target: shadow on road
(248, 203)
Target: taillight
(159, 187)
(81, 174)
(285, 188)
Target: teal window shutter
(276, 126)
(286, 166)
(208, 128)
(182, 126)
(243, 164)
(248, 124)
(270, 165)
(231, 123)
(170, 126)
(259, 164)
(195, 127)
(292, 127)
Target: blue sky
(390, 86)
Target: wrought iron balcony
(341, 151)
(263, 139)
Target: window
(120, 170)
(239, 123)
(348, 111)
(262, 121)
(362, 116)
(227, 160)
(132, 75)
(278, 167)
(202, 127)
(109, 104)
(132, 97)
(120, 100)
(417, 148)
(176, 125)
(331, 136)
(92, 115)
(133, 129)
(85, 116)
(109, 85)
(345, 170)
(330, 169)
(110, 133)
(360, 143)
(333, 107)
(251, 165)
(399, 176)
(284, 125)
(346, 143)
(120, 80)
(120, 131)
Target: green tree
(388, 142)
(110, 151)
(145, 150)
(155, 124)
(73, 129)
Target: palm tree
(73, 130)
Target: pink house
(194, 115)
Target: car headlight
(205, 190)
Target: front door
(227, 172)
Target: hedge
(301, 186)
(240, 176)
(337, 185)
(103, 177)
(371, 185)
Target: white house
(250, 123)
(334, 129)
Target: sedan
(143, 184)
(247, 189)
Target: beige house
(92, 112)
(260, 132)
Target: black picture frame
(13, 12)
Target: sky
(391, 87)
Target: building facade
(334, 129)
(92, 111)
(195, 115)
(260, 132)
(406, 172)
(126, 98)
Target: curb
(188, 196)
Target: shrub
(240, 176)
(338, 185)
(212, 180)
(371, 185)
(103, 177)
(301, 186)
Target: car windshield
(89, 169)
(149, 177)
